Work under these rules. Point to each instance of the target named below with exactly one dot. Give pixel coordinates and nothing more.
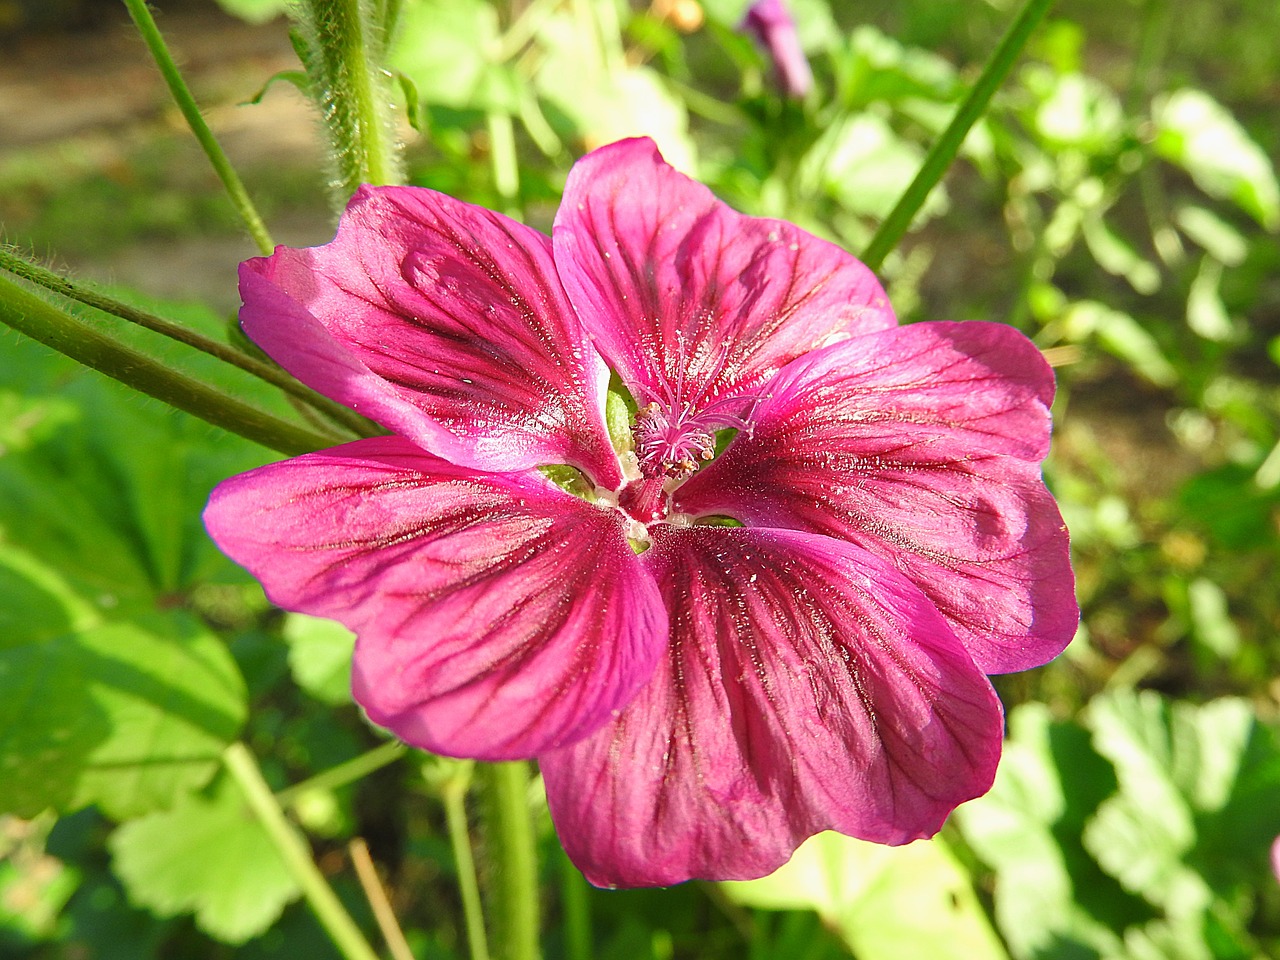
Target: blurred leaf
(1206, 313)
(1211, 623)
(255, 11)
(876, 67)
(1122, 335)
(863, 163)
(320, 657)
(1199, 134)
(1219, 238)
(870, 894)
(607, 102)
(1077, 111)
(444, 47)
(1117, 256)
(210, 856)
(1027, 827)
(126, 714)
(1198, 786)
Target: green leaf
(869, 894)
(1206, 313)
(125, 714)
(1077, 111)
(255, 11)
(1200, 135)
(444, 46)
(320, 657)
(1199, 788)
(865, 165)
(1027, 827)
(1121, 335)
(208, 856)
(1219, 238)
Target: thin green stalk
(27, 313)
(348, 772)
(513, 859)
(577, 911)
(268, 372)
(945, 149)
(293, 849)
(453, 793)
(191, 110)
(506, 167)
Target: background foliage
(1118, 203)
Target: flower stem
(191, 110)
(453, 794)
(348, 772)
(343, 46)
(576, 909)
(27, 313)
(948, 145)
(513, 857)
(342, 930)
(268, 372)
(383, 913)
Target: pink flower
(770, 22)
(702, 693)
(1275, 858)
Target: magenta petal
(920, 444)
(446, 323)
(497, 617)
(688, 300)
(807, 687)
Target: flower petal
(807, 687)
(496, 616)
(444, 321)
(920, 444)
(688, 300)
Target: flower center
(671, 443)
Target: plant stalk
(944, 151)
(293, 849)
(181, 94)
(27, 313)
(513, 859)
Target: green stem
(453, 793)
(947, 146)
(293, 849)
(191, 110)
(344, 773)
(506, 167)
(27, 313)
(577, 911)
(513, 858)
(268, 372)
(343, 59)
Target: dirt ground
(90, 103)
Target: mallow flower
(762, 606)
(774, 29)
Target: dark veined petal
(446, 323)
(691, 302)
(922, 445)
(807, 687)
(496, 616)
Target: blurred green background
(1118, 203)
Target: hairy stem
(265, 371)
(27, 313)
(190, 109)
